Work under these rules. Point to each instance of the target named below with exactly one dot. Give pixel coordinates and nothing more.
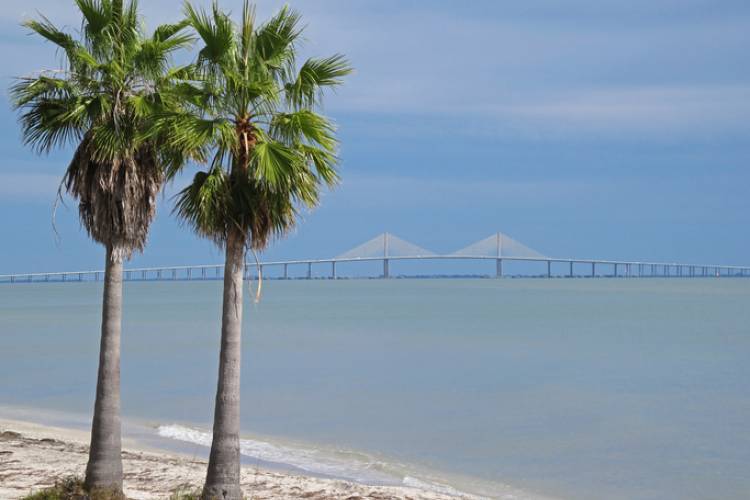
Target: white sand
(33, 457)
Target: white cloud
(534, 70)
(663, 110)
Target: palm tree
(272, 153)
(102, 102)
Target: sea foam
(343, 464)
(335, 463)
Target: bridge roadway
(594, 268)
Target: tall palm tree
(102, 102)
(272, 153)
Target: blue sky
(583, 128)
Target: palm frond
(97, 16)
(275, 39)
(77, 55)
(153, 56)
(247, 31)
(216, 32)
(304, 125)
(205, 202)
(315, 75)
(167, 31)
(192, 134)
(48, 123)
(325, 163)
(47, 30)
(274, 163)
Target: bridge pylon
(385, 246)
(499, 246)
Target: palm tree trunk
(104, 469)
(223, 477)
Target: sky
(585, 128)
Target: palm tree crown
(101, 102)
(255, 112)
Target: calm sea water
(581, 389)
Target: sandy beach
(34, 456)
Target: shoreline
(143, 442)
(34, 456)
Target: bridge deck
(643, 269)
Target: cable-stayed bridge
(386, 248)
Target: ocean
(569, 388)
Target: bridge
(387, 248)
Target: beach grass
(186, 493)
(73, 488)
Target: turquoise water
(585, 389)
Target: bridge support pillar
(549, 268)
(615, 271)
(333, 270)
(309, 270)
(286, 271)
(593, 269)
(570, 270)
(499, 268)
(386, 268)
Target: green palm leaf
(277, 151)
